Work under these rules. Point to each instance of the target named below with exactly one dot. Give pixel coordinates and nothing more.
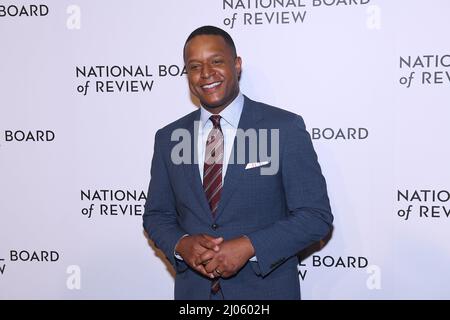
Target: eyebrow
(212, 57)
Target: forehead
(204, 45)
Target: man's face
(213, 72)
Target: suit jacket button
(214, 226)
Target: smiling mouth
(211, 85)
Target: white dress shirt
(229, 123)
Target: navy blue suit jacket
(281, 213)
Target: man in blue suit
(229, 217)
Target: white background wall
(339, 68)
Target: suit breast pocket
(260, 188)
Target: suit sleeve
(309, 215)
(160, 217)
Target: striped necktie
(212, 170)
(212, 174)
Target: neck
(219, 109)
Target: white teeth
(212, 85)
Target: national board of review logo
(31, 10)
(33, 256)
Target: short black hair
(215, 31)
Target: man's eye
(193, 67)
(217, 61)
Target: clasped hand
(214, 257)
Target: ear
(238, 66)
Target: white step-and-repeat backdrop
(86, 84)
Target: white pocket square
(252, 165)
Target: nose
(206, 71)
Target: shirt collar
(231, 114)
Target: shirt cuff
(175, 253)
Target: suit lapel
(235, 170)
(191, 170)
